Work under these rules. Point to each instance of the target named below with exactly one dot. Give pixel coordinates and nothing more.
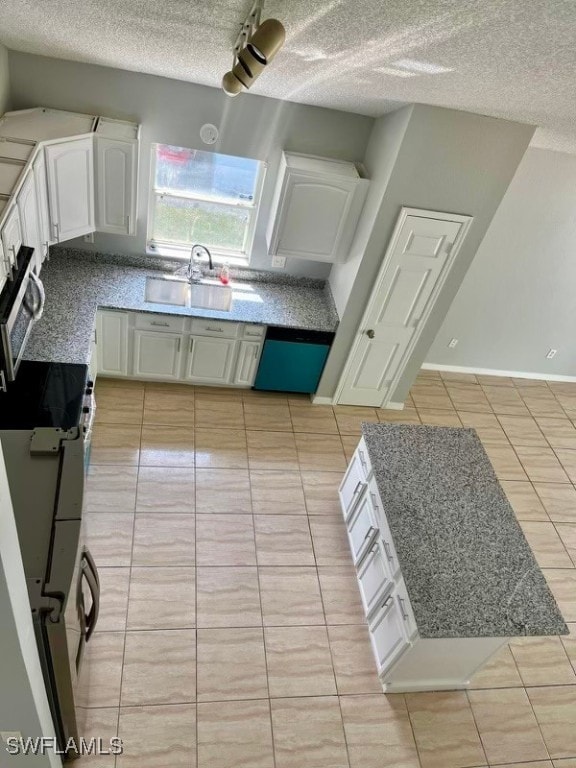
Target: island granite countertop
(77, 284)
(468, 568)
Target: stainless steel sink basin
(207, 294)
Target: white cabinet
(40, 181)
(11, 237)
(247, 364)
(315, 209)
(112, 342)
(4, 266)
(210, 360)
(28, 209)
(389, 640)
(116, 185)
(157, 355)
(70, 166)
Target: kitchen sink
(206, 294)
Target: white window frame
(182, 250)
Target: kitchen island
(445, 573)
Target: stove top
(44, 395)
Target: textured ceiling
(514, 59)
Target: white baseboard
(494, 372)
(394, 406)
(322, 401)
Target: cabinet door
(12, 236)
(112, 343)
(28, 210)
(313, 216)
(247, 365)
(70, 167)
(157, 355)
(210, 360)
(387, 634)
(40, 182)
(374, 578)
(352, 485)
(116, 166)
(362, 528)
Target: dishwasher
(292, 360)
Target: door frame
(405, 212)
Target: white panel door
(248, 357)
(70, 167)
(112, 343)
(157, 355)
(28, 209)
(210, 360)
(116, 163)
(12, 237)
(415, 266)
(40, 181)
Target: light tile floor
(231, 633)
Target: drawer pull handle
(402, 609)
(160, 325)
(387, 602)
(359, 486)
(370, 533)
(374, 502)
(362, 459)
(216, 330)
(388, 550)
(252, 333)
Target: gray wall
(518, 299)
(383, 147)
(172, 112)
(449, 161)
(23, 702)
(4, 80)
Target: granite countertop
(77, 285)
(468, 568)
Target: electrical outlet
(89, 238)
(5, 735)
(279, 262)
(452, 343)
(551, 354)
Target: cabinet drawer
(387, 634)
(385, 535)
(362, 528)
(218, 328)
(405, 609)
(160, 323)
(254, 331)
(374, 578)
(352, 485)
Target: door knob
(370, 333)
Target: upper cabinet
(70, 167)
(116, 177)
(315, 209)
(82, 169)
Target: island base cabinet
(157, 355)
(443, 664)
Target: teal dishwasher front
(292, 360)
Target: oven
(21, 305)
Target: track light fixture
(255, 47)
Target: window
(203, 197)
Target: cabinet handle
(56, 234)
(128, 224)
(387, 602)
(255, 352)
(359, 485)
(216, 330)
(374, 502)
(47, 251)
(387, 550)
(178, 344)
(403, 611)
(370, 533)
(191, 344)
(362, 459)
(160, 325)
(251, 333)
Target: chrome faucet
(194, 272)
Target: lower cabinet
(247, 365)
(157, 355)
(178, 348)
(210, 360)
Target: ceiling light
(421, 67)
(255, 47)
